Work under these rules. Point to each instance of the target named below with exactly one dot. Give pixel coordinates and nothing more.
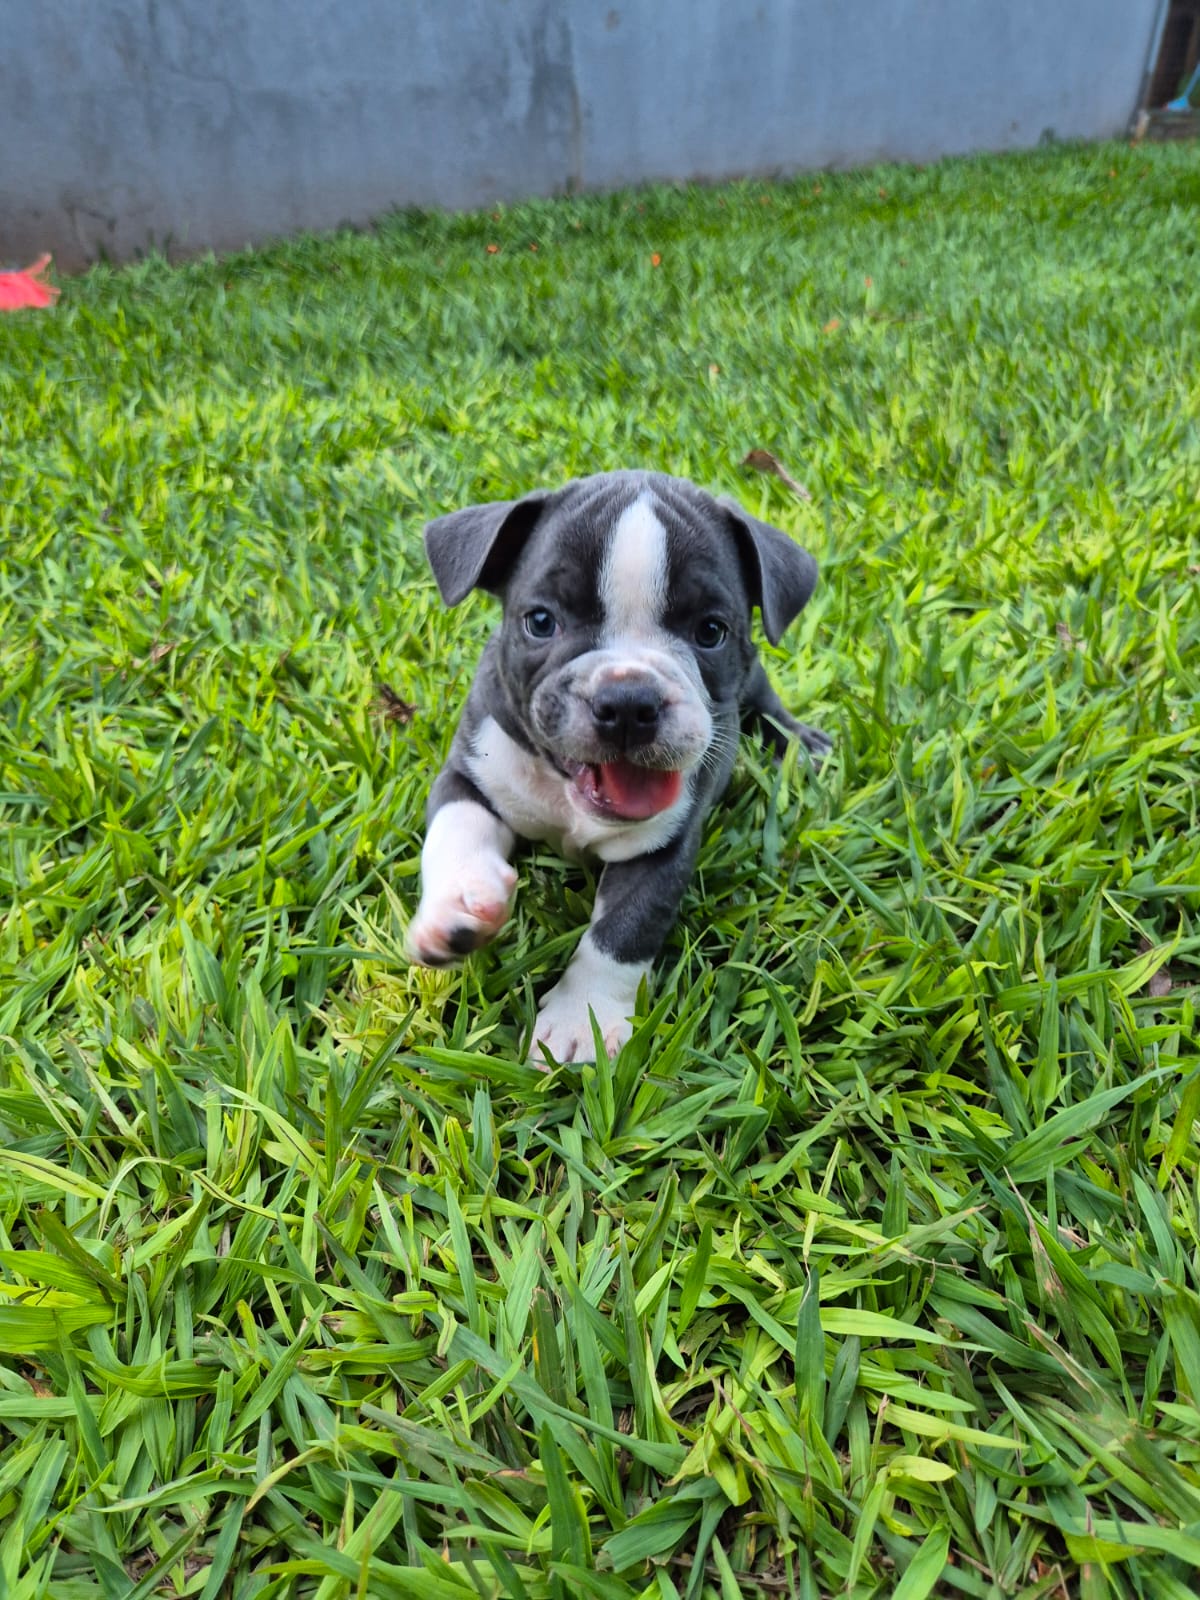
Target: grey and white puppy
(604, 716)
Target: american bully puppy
(604, 717)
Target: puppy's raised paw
(458, 918)
(817, 744)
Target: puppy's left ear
(781, 575)
(475, 548)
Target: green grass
(872, 1265)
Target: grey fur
(460, 546)
(786, 575)
(547, 551)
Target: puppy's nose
(626, 714)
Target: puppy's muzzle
(626, 715)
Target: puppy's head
(627, 607)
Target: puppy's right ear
(475, 548)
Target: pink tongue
(636, 792)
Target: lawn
(871, 1267)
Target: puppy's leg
(636, 906)
(466, 880)
(764, 711)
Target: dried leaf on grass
(764, 461)
(391, 707)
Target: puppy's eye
(711, 633)
(540, 624)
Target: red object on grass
(25, 288)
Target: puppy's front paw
(564, 1029)
(593, 979)
(817, 744)
(456, 919)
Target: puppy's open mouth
(621, 789)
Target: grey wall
(198, 123)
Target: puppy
(604, 717)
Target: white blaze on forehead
(633, 582)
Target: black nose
(626, 714)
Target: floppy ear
(475, 548)
(781, 574)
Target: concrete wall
(198, 123)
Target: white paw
(457, 918)
(592, 980)
(564, 1031)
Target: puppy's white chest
(535, 801)
(527, 792)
